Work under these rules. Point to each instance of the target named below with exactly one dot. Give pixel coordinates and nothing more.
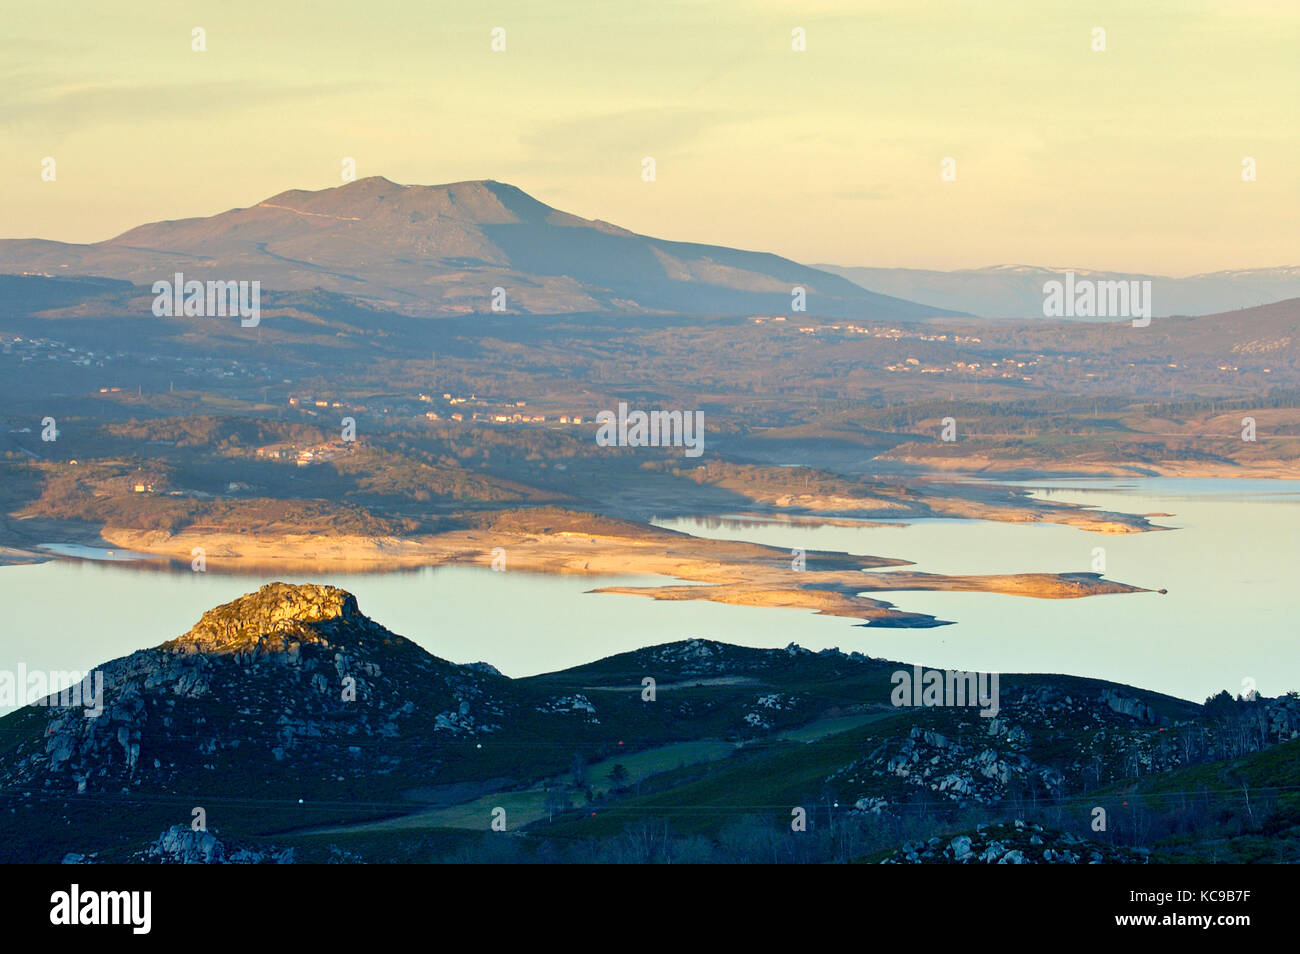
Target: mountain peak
(371, 181)
(381, 187)
(306, 613)
(391, 211)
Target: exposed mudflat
(558, 542)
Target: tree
(578, 769)
(618, 776)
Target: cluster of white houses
(304, 456)
(494, 412)
(515, 418)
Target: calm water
(1230, 569)
(1230, 612)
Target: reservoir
(1229, 616)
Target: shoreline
(562, 543)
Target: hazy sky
(1129, 158)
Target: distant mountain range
(441, 250)
(1016, 291)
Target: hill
(293, 721)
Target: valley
(382, 422)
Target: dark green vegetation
(292, 694)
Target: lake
(1229, 566)
(1229, 614)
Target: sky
(1128, 158)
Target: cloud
(60, 106)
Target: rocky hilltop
(271, 619)
(290, 682)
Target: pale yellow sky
(1127, 159)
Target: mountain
(279, 685)
(300, 729)
(1016, 291)
(441, 250)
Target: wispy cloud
(60, 106)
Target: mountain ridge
(1016, 291)
(445, 249)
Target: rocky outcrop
(1016, 843)
(1127, 705)
(180, 845)
(294, 677)
(272, 620)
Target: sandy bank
(732, 571)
